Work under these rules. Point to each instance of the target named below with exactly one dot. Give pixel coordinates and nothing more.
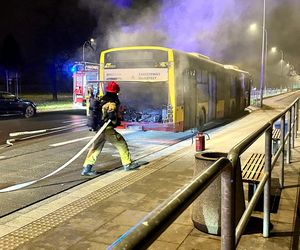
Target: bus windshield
(136, 59)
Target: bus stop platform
(95, 214)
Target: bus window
(233, 87)
(136, 59)
(198, 77)
(204, 78)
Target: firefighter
(88, 97)
(108, 107)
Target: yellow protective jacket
(109, 104)
(109, 111)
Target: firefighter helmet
(112, 87)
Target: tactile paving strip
(45, 223)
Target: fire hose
(25, 184)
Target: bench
(252, 171)
(276, 133)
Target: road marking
(75, 121)
(46, 130)
(69, 142)
(27, 132)
(25, 184)
(80, 139)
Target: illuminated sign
(91, 67)
(145, 75)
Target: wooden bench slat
(254, 159)
(259, 161)
(248, 170)
(252, 169)
(250, 162)
(259, 169)
(276, 134)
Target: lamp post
(266, 62)
(274, 49)
(267, 187)
(263, 54)
(89, 43)
(263, 65)
(281, 70)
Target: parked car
(10, 104)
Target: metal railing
(255, 94)
(287, 137)
(151, 226)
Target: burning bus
(170, 90)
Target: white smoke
(218, 29)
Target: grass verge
(45, 102)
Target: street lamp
(87, 43)
(253, 27)
(263, 55)
(263, 70)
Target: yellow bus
(170, 90)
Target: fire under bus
(169, 90)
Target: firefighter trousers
(116, 139)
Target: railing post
(288, 146)
(228, 209)
(267, 188)
(281, 175)
(295, 121)
(293, 126)
(297, 117)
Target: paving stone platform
(94, 214)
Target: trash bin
(206, 214)
(206, 209)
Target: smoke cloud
(218, 29)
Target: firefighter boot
(87, 171)
(131, 166)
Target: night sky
(41, 39)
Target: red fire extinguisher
(200, 141)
